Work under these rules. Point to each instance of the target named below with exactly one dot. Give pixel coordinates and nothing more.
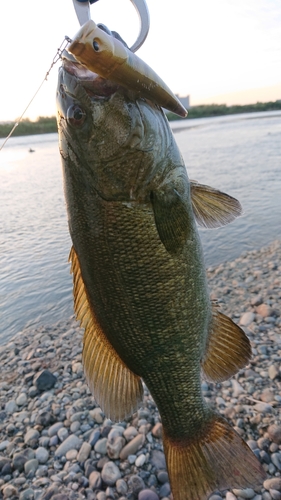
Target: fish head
(108, 133)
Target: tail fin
(215, 459)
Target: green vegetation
(206, 110)
(47, 124)
(43, 125)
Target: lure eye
(96, 46)
(76, 115)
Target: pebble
(44, 380)
(134, 445)
(42, 455)
(21, 399)
(71, 442)
(84, 452)
(140, 460)
(147, 495)
(56, 443)
(121, 486)
(245, 493)
(101, 446)
(136, 484)
(273, 483)
(110, 473)
(247, 318)
(53, 430)
(274, 433)
(95, 481)
(31, 466)
(31, 437)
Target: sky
(222, 51)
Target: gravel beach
(55, 442)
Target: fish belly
(153, 307)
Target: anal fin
(214, 458)
(211, 207)
(228, 349)
(116, 389)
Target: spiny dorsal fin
(116, 389)
(213, 458)
(228, 349)
(211, 207)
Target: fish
(139, 279)
(110, 58)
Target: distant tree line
(43, 125)
(47, 124)
(205, 110)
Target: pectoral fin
(171, 218)
(116, 389)
(211, 207)
(228, 349)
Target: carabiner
(82, 9)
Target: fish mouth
(94, 85)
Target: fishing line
(56, 58)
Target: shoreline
(55, 443)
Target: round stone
(84, 452)
(158, 459)
(97, 415)
(53, 430)
(95, 481)
(27, 494)
(62, 434)
(132, 447)
(244, 493)
(31, 466)
(72, 442)
(31, 437)
(9, 491)
(42, 455)
(71, 455)
(247, 318)
(110, 473)
(147, 495)
(136, 484)
(100, 446)
(273, 483)
(274, 432)
(140, 460)
(11, 407)
(165, 490)
(157, 432)
(21, 399)
(130, 433)
(121, 486)
(44, 380)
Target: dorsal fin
(211, 207)
(228, 349)
(116, 389)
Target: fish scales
(140, 288)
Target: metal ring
(82, 9)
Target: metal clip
(82, 9)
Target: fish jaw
(108, 57)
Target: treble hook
(82, 9)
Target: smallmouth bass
(140, 288)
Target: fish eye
(96, 45)
(76, 115)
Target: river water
(238, 154)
